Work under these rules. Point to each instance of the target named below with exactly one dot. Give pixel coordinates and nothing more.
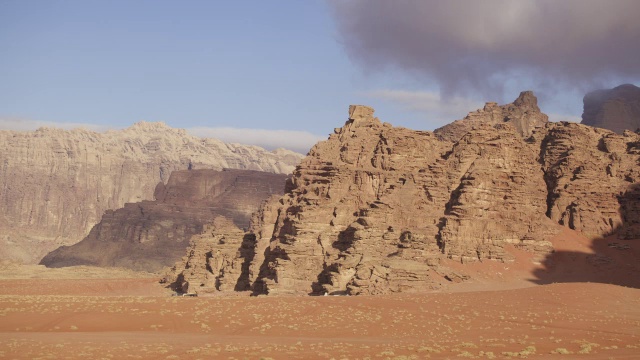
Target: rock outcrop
(223, 257)
(616, 109)
(214, 260)
(55, 185)
(590, 175)
(523, 114)
(150, 235)
(375, 208)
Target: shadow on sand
(614, 259)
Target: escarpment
(55, 185)
(151, 235)
(616, 109)
(375, 209)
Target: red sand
(599, 320)
(502, 312)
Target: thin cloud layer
(471, 46)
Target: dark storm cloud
(482, 45)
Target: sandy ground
(582, 302)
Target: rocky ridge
(523, 114)
(55, 185)
(616, 109)
(151, 235)
(375, 208)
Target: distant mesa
(150, 235)
(616, 109)
(55, 184)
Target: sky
(283, 73)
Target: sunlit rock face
(375, 209)
(55, 185)
(523, 114)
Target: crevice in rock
(247, 251)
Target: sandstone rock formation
(55, 184)
(223, 257)
(616, 109)
(150, 235)
(524, 114)
(374, 209)
(591, 174)
(215, 260)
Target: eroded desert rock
(150, 235)
(55, 185)
(375, 208)
(523, 114)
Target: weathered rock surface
(616, 109)
(55, 185)
(374, 209)
(214, 260)
(223, 257)
(591, 174)
(150, 235)
(523, 114)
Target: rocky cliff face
(215, 260)
(590, 175)
(150, 235)
(55, 184)
(523, 114)
(616, 109)
(374, 209)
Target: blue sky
(211, 66)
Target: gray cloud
(470, 46)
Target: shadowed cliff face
(616, 109)
(55, 185)
(375, 209)
(150, 235)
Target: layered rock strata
(616, 109)
(55, 185)
(214, 260)
(591, 175)
(375, 208)
(150, 235)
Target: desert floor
(533, 308)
